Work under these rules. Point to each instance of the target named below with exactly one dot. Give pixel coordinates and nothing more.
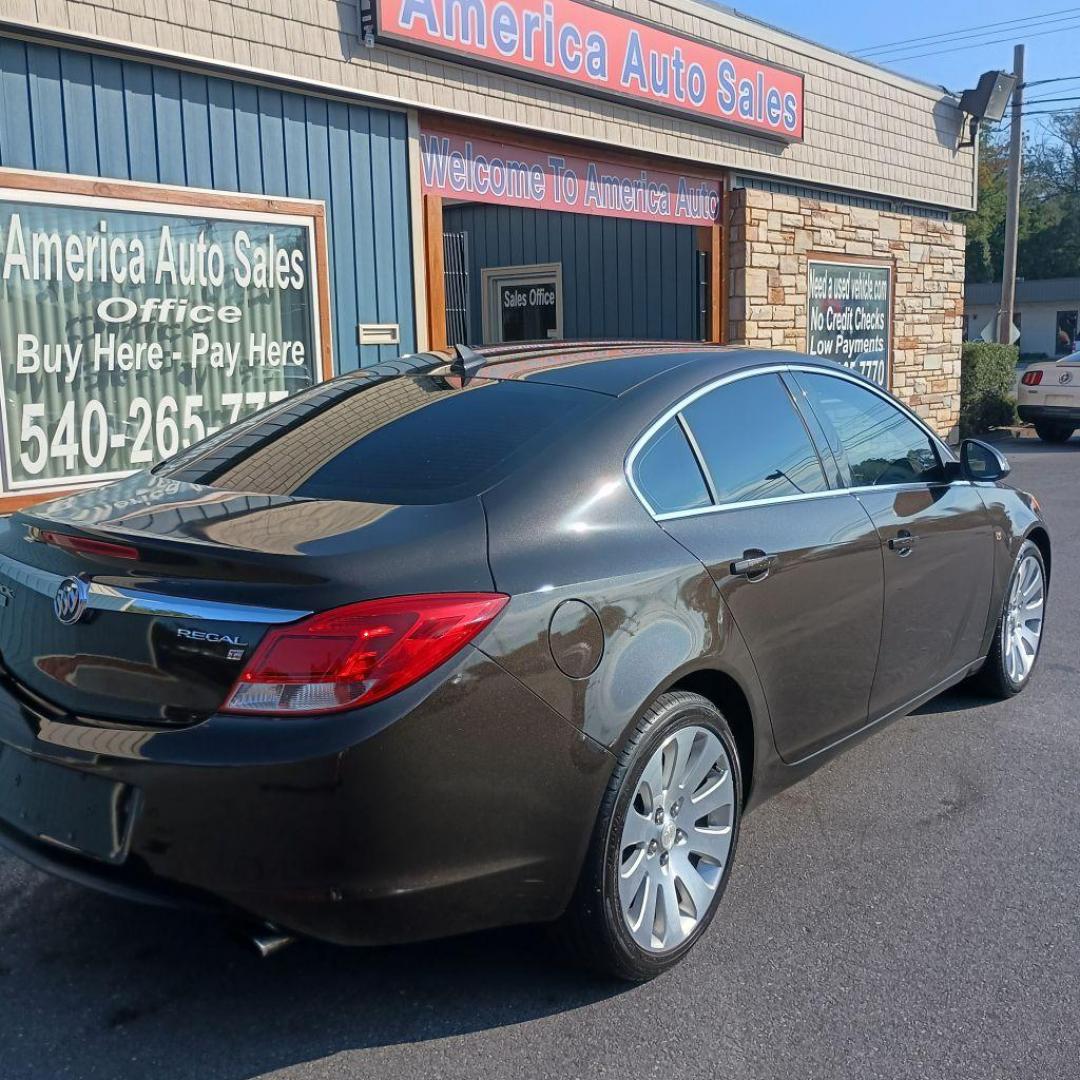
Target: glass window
(172, 325)
(412, 439)
(667, 473)
(754, 442)
(1066, 332)
(870, 437)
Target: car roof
(616, 367)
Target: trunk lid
(179, 582)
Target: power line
(1060, 78)
(1070, 111)
(1064, 111)
(983, 28)
(1045, 107)
(1002, 126)
(974, 45)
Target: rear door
(936, 537)
(797, 562)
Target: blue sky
(1053, 44)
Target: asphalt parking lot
(909, 911)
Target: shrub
(987, 371)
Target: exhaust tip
(269, 939)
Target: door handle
(902, 543)
(754, 565)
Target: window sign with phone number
(849, 314)
(130, 330)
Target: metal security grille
(456, 278)
(703, 295)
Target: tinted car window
(667, 473)
(871, 438)
(754, 443)
(414, 439)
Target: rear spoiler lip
(101, 597)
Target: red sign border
(408, 44)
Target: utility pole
(1012, 201)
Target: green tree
(1053, 167)
(1049, 227)
(986, 226)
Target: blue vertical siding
(141, 121)
(109, 121)
(621, 278)
(46, 106)
(67, 111)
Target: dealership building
(208, 204)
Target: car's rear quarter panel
(571, 528)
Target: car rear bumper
(1056, 413)
(461, 803)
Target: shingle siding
(866, 130)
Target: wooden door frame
(435, 272)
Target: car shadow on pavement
(957, 700)
(143, 991)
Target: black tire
(593, 931)
(993, 677)
(1054, 431)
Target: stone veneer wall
(769, 238)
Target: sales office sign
(599, 50)
(131, 329)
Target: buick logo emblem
(69, 603)
(1065, 376)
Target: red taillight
(358, 654)
(1032, 378)
(85, 545)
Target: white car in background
(1048, 396)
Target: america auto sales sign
(602, 51)
(135, 323)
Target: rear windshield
(411, 439)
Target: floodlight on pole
(987, 101)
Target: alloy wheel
(1024, 618)
(676, 838)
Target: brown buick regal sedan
(499, 637)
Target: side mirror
(981, 462)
